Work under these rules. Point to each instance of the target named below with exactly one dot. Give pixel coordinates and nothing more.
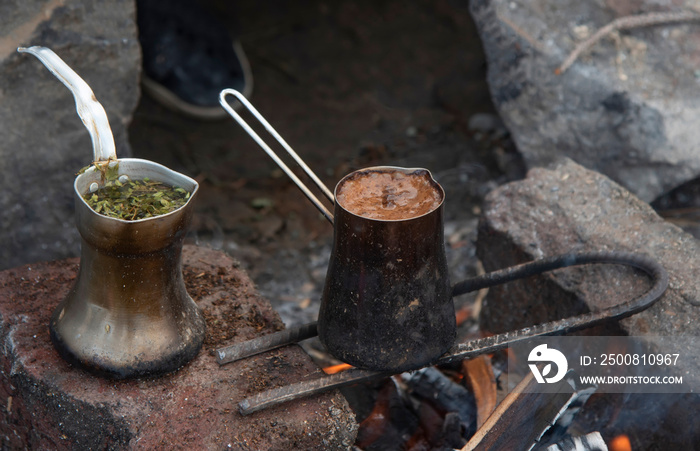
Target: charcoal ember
(434, 387)
(437, 432)
(391, 423)
(428, 435)
(589, 442)
(451, 434)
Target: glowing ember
(337, 368)
(621, 443)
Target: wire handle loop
(229, 109)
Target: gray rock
(42, 140)
(569, 208)
(628, 108)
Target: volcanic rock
(627, 108)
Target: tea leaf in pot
(134, 199)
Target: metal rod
(307, 388)
(273, 155)
(494, 343)
(265, 343)
(474, 348)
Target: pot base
(136, 368)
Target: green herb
(134, 199)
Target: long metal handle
(298, 390)
(473, 348)
(265, 343)
(273, 155)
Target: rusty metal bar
(494, 343)
(265, 343)
(307, 388)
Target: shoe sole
(168, 99)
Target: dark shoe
(188, 58)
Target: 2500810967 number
(638, 359)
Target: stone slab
(568, 208)
(47, 404)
